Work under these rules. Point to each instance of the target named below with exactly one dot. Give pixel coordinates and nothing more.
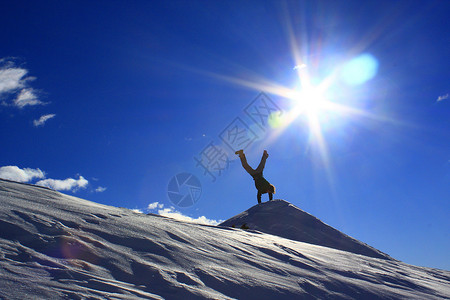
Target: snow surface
(279, 217)
(54, 246)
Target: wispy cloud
(41, 121)
(68, 184)
(443, 97)
(27, 97)
(21, 175)
(14, 81)
(155, 205)
(100, 189)
(298, 67)
(174, 214)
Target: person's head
(271, 189)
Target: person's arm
(259, 197)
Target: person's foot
(239, 152)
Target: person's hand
(266, 154)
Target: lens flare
(359, 70)
(276, 120)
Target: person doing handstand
(261, 184)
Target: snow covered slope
(279, 217)
(54, 246)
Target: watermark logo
(184, 190)
(253, 124)
(260, 114)
(261, 110)
(238, 135)
(213, 159)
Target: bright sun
(309, 100)
(316, 104)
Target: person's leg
(259, 197)
(270, 196)
(245, 164)
(262, 164)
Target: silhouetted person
(261, 184)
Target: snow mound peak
(281, 218)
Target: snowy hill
(281, 218)
(54, 246)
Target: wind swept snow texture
(55, 246)
(279, 217)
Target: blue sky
(109, 100)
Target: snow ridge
(54, 246)
(281, 218)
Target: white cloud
(443, 97)
(172, 213)
(27, 175)
(68, 184)
(27, 97)
(155, 205)
(21, 175)
(298, 67)
(11, 79)
(100, 189)
(136, 210)
(43, 119)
